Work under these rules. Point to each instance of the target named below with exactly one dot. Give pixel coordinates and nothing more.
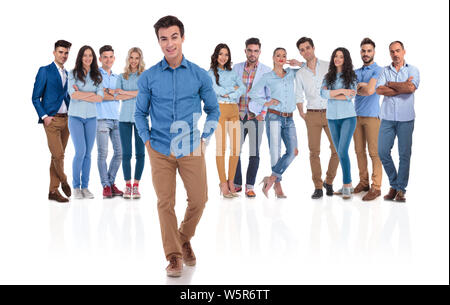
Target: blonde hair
(141, 65)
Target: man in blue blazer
(51, 100)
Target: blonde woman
(127, 91)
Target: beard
(367, 60)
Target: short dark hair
(168, 21)
(367, 41)
(63, 43)
(106, 48)
(303, 40)
(252, 41)
(399, 42)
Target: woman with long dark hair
(279, 120)
(85, 89)
(339, 87)
(127, 90)
(228, 87)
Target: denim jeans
(388, 131)
(342, 132)
(279, 128)
(254, 129)
(108, 129)
(82, 132)
(126, 135)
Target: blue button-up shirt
(227, 81)
(400, 107)
(108, 109)
(368, 106)
(173, 97)
(128, 106)
(80, 108)
(281, 89)
(338, 109)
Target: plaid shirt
(247, 79)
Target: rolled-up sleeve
(143, 102)
(240, 91)
(414, 72)
(299, 90)
(71, 82)
(254, 95)
(381, 79)
(99, 90)
(324, 92)
(211, 106)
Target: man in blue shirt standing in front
(367, 106)
(108, 126)
(397, 82)
(171, 92)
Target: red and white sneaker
(136, 194)
(127, 193)
(115, 191)
(107, 193)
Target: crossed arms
(396, 88)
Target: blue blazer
(48, 92)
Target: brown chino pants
(57, 136)
(366, 132)
(192, 170)
(315, 122)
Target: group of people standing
(239, 102)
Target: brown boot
(175, 267)
(57, 197)
(391, 194)
(188, 254)
(66, 189)
(372, 194)
(400, 197)
(361, 188)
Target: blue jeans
(82, 132)
(108, 129)
(254, 129)
(279, 128)
(342, 132)
(388, 131)
(126, 134)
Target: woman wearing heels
(279, 119)
(339, 87)
(228, 87)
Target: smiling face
(252, 51)
(61, 55)
(134, 61)
(339, 59)
(87, 59)
(307, 51)
(279, 58)
(107, 59)
(223, 57)
(397, 53)
(367, 53)
(170, 41)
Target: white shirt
(62, 73)
(309, 84)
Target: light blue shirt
(368, 106)
(338, 109)
(172, 98)
(400, 107)
(80, 108)
(281, 89)
(108, 109)
(227, 81)
(128, 106)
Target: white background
(295, 241)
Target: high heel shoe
(229, 195)
(280, 196)
(265, 183)
(235, 194)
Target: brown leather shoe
(175, 267)
(400, 197)
(361, 188)
(188, 254)
(372, 194)
(391, 195)
(66, 189)
(57, 196)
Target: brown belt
(317, 110)
(282, 114)
(61, 115)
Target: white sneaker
(78, 194)
(87, 193)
